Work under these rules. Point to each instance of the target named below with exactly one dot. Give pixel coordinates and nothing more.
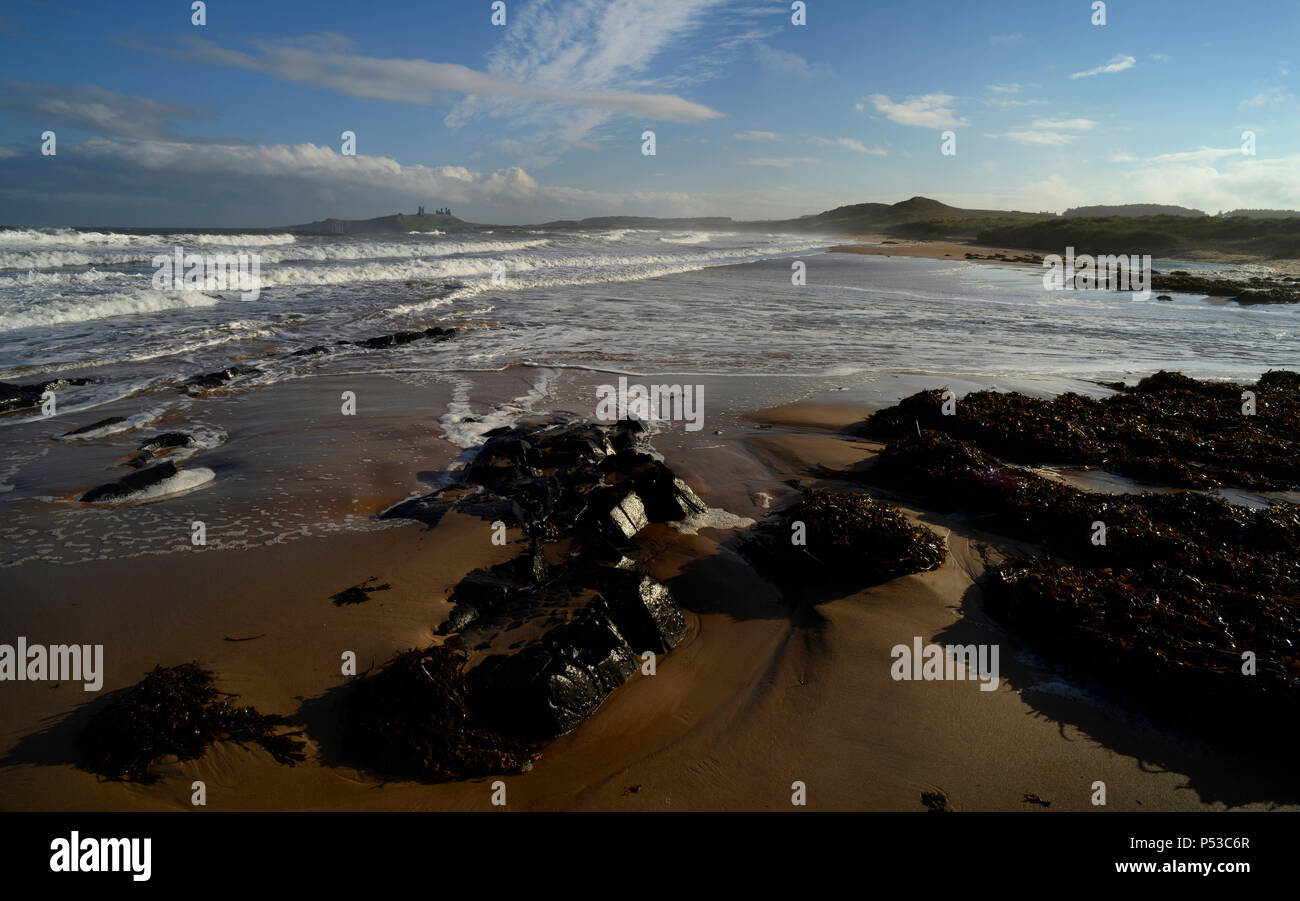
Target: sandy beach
(754, 699)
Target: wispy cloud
(756, 136)
(783, 62)
(98, 110)
(1118, 64)
(1203, 155)
(1004, 41)
(419, 81)
(603, 46)
(927, 110)
(849, 144)
(1051, 131)
(783, 162)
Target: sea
(775, 316)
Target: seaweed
(412, 719)
(1169, 429)
(175, 711)
(1163, 610)
(850, 539)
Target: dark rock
(128, 485)
(166, 441)
(314, 350)
(547, 689)
(94, 426)
(211, 380)
(392, 340)
(643, 609)
(615, 512)
(24, 397)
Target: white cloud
(1205, 154)
(756, 136)
(781, 162)
(1004, 88)
(601, 46)
(849, 144)
(1066, 124)
(783, 62)
(927, 110)
(1118, 64)
(1040, 137)
(419, 81)
(1051, 131)
(1268, 97)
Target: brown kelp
(842, 539)
(1168, 428)
(175, 711)
(412, 718)
(1182, 604)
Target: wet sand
(752, 700)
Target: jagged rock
(548, 688)
(643, 609)
(314, 350)
(128, 485)
(94, 426)
(615, 512)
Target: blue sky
(238, 122)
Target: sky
(238, 121)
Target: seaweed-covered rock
(1160, 607)
(412, 719)
(1169, 428)
(175, 711)
(1167, 643)
(849, 539)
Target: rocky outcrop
(575, 613)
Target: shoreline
(889, 245)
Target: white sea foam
(185, 480)
(33, 279)
(60, 309)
